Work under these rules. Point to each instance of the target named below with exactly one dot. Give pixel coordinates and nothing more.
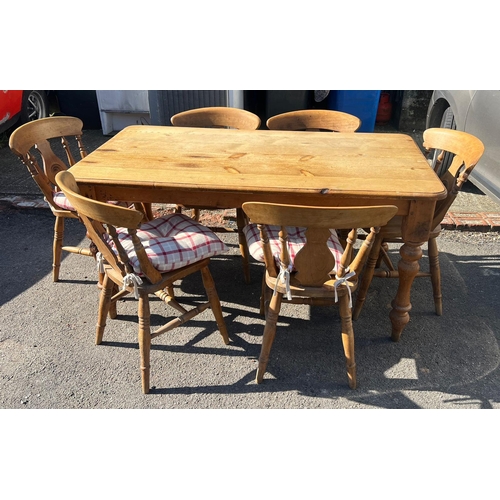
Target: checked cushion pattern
(62, 202)
(172, 242)
(296, 240)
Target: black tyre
(35, 106)
(447, 121)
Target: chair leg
(168, 296)
(263, 295)
(268, 294)
(367, 276)
(100, 279)
(148, 211)
(348, 339)
(93, 252)
(57, 247)
(104, 307)
(112, 313)
(208, 283)
(269, 334)
(241, 220)
(384, 257)
(144, 336)
(435, 275)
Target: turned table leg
(408, 268)
(415, 229)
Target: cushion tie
(131, 279)
(284, 277)
(100, 262)
(340, 281)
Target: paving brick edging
(465, 221)
(472, 221)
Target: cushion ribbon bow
(341, 281)
(132, 279)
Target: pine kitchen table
(223, 168)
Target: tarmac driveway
(48, 358)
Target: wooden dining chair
(315, 120)
(32, 144)
(306, 264)
(46, 147)
(221, 117)
(466, 150)
(146, 258)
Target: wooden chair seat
(466, 151)
(309, 279)
(296, 239)
(297, 289)
(220, 117)
(134, 260)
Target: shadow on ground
(49, 359)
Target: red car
(20, 106)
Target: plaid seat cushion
(62, 202)
(172, 242)
(296, 240)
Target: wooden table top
(376, 166)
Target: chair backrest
(315, 261)
(101, 220)
(467, 150)
(217, 117)
(32, 141)
(315, 119)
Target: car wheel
(441, 162)
(35, 106)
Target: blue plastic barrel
(360, 103)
